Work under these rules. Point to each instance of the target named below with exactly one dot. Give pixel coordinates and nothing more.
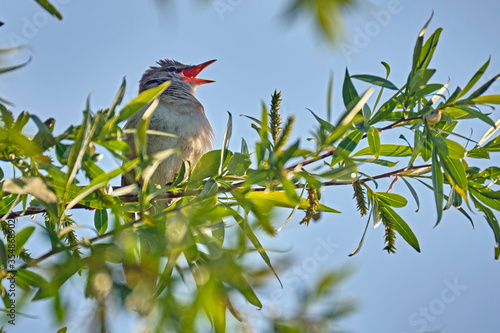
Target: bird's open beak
(190, 73)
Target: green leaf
(474, 79)
(391, 199)
(12, 68)
(141, 100)
(209, 189)
(37, 187)
(456, 170)
(492, 221)
(3, 254)
(487, 99)
(225, 142)
(48, 7)
(22, 237)
(115, 146)
(402, 228)
(244, 147)
(493, 145)
(386, 150)
(324, 124)
(373, 137)
(29, 278)
(329, 98)
(239, 164)
(376, 80)
(418, 46)
(349, 93)
(208, 165)
(280, 199)
(472, 112)
(455, 150)
(483, 88)
(429, 48)
(346, 146)
(420, 79)
(101, 181)
(413, 193)
(437, 183)
(101, 220)
(256, 243)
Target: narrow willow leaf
(30, 278)
(429, 48)
(12, 68)
(413, 193)
(489, 133)
(455, 150)
(101, 220)
(50, 8)
(323, 123)
(119, 96)
(225, 142)
(22, 237)
(373, 137)
(487, 99)
(450, 199)
(492, 222)
(280, 199)
(115, 146)
(440, 93)
(473, 113)
(475, 78)
(256, 243)
(35, 186)
(244, 147)
(456, 170)
(437, 183)
(140, 101)
(346, 146)
(329, 97)
(418, 46)
(483, 88)
(358, 248)
(493, 145)
(392, 199)
(387, 150)
(402, 228)
(3, 254)
(420, 79)
(376, 80)
(349, 93)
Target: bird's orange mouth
(190, 73)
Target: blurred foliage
(326, 14)
(179, 255)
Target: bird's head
(182, 77)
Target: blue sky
(452, 283)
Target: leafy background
(99, 42)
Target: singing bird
(178, 113)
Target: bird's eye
(171, 69)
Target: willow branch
(330, 152)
